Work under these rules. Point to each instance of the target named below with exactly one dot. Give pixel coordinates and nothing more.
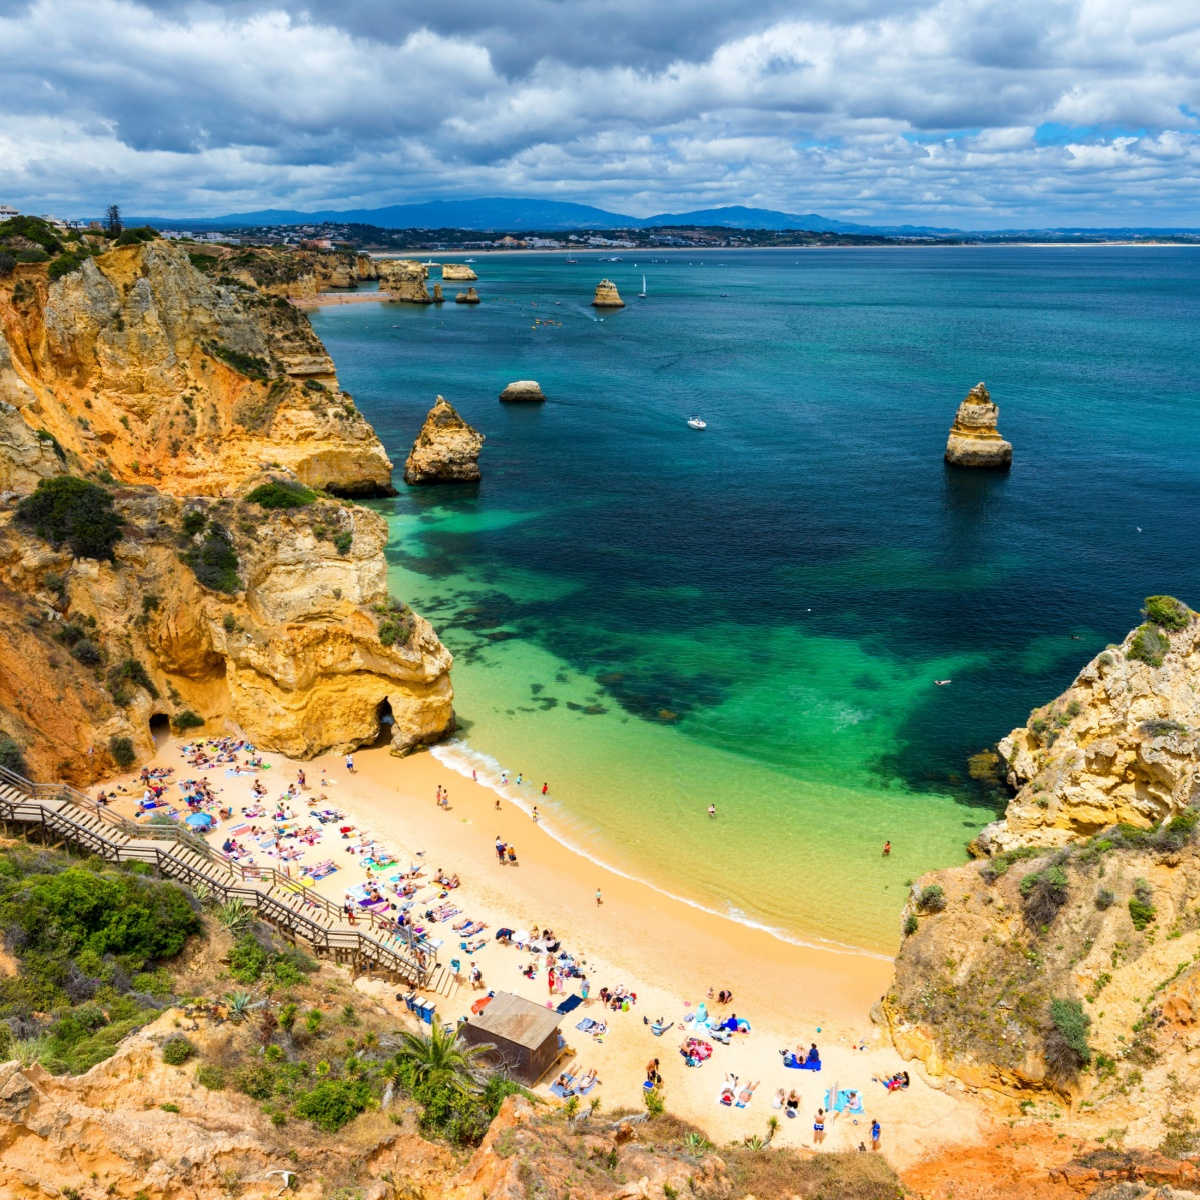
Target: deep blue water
(785, 585)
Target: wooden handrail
(417, 965)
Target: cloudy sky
(971, 113)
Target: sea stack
(404, 280)
(523, 391)
(446, 449)
(607, 295)
(437, 294)
(458, 273)
(470, 296)
(974, 440)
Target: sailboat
(642, 293)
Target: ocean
(651, 619)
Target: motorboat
(697, 423)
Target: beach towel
(570, 1004)
(796, 1065)
(586, 1025)
(842, 1103)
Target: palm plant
(440, 1057)
(772, 1129)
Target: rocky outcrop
(1120, 745)
(404, 280)
(139, 370)
(306, 654)
(974, 440)
(438, 297)
(446, 449)
(458, 273)
(470, 296)
(523, 391)
(141, 365)
(607, 296)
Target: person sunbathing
(792, 1103)
(587, 1079)
(747, 1093)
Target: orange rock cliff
(178, 394)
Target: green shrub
(281, 493)
(396, 622)
(343, 541)
(211, 1077)
(214, 560)
(1159, 728)
(32, 256)
(67, 262)
(1105, 899)
(249, 365)
(132, 237)
(1149, 645)
(911, 924)
(87, 652)
(333, 1102)
(121, 749)
(32, 229)
(931, 899)
(1066, 1045)
(1141, 905)
(257, 1080)
(8, 263)
(247, 959)
(129, 671)
(177, 1050)
(11, 756)
(184, 720)
(193, 521)
(1167, 612)
(72, 512)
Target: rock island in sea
(974, 440)
(446, 450)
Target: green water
(653, 619)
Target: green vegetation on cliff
(75, 513)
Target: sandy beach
(666, 951)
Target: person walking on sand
(712, 810)
(476, 977)
(500, 851)
(551, 979)
(350, 763)
(534, 814)
(876, 1131)
(545, 788)
(887, 849)
(474, 776)
(819, 1127)
(599, 898)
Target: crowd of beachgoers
(259, 810)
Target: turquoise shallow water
(651, 618)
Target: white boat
(429, 263)
(468, 260)
(642, 293)
(697, 423)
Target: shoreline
(669, 951)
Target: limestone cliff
(446, 450)
(470, 296)
(178, 394)
(141, 365)
(404, 280)
(1068, 974)
(974, 440)
(1120, 745)
(458, 273)
(301, 646)
(607, 296)
(287, 272)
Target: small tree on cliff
(113, 220)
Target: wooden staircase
(58, 814)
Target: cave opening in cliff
(160, 728)
(383, 714)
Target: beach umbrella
(199, 820)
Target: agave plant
(772, 1129)
(754, 1142)
(240, 1004)
(696, 1143)
(233, 916)
(440, 1056)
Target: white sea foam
(461, 757)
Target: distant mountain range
(514, 215)
(505, 214)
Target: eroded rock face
(458, 273)
(974, 440)
(470, 296)
(294, 657)
(404, 280)
(607, 296)
(139, 364)
(523, 391)
(1120, 745)
(306, 651)
(446, 449)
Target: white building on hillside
(7, 210)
